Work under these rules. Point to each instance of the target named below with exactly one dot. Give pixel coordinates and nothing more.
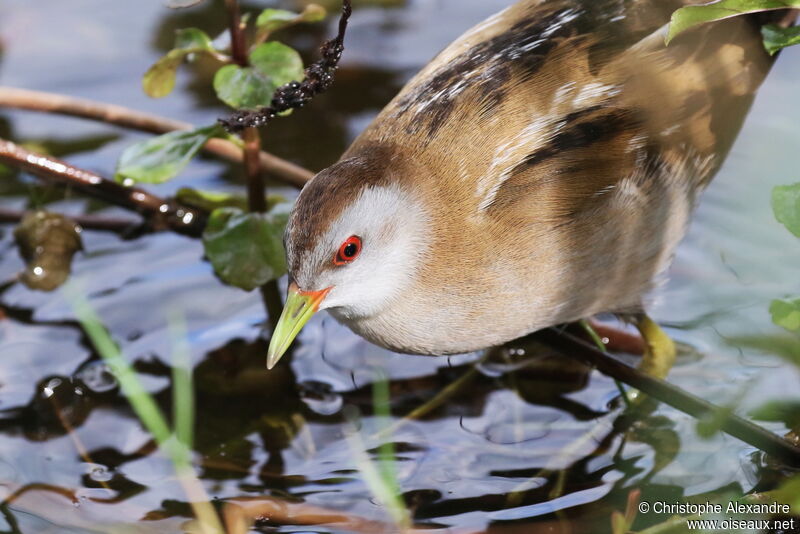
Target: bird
(540, 170)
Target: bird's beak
(300, 306)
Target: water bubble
(320, 397)
(100, 473)
(96, 377)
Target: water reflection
(531, 440)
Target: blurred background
(526, 444)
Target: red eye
(348, 251)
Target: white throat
(394, 228)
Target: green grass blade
(182, 387)
(149, 414)
(382, 410)
(141, 401)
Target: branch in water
(136, 120)
(665, 392)
(159, 212)
(318, 78)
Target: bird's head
(355, 239)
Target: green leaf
(776, 38)
(242, 87)
(192, 39)
(282, 63)
(789, 493)
(272, 65)
(159, 80)
(786, 205)
(211, 200)
(271, 20)
(159, 159)
(618, 523)
(275, 19)
(783, 345)
(47, 242)
(178, 4)
(691, 16)
(246, 249)
(784, 411)
(711, 424)
(786, 314)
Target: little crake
(540, 170)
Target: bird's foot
(659, 349)
(658, 357)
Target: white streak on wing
(508, 155)
(446, 93)
(636, 143)
(565, 18)
(604, 191)
(594, 93)
(564, 93)
(532, 45)
(538, 133)
(449, 93)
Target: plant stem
(598, 341)
(136, 120)
(257, 202)
(740, 428)
(256, 199)
(160, 211)
(238, 48)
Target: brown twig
(293, 95)
(238, 47)
(159, 211)
(89, 222)
(240, 513)
(256, 200)
(665, 392)
(146, 122)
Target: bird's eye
(348, 251)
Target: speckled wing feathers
(550, 86)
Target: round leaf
(275, 19)
(786, 314)
(192, 39)
(159, 80)
(246, 249)
(272, 65)
(786, 205)
(243, 87)
(278, 61)
(271, 20)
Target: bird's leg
(659, 349)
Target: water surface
(521, 445)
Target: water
(518, 445)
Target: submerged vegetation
(211, 417)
